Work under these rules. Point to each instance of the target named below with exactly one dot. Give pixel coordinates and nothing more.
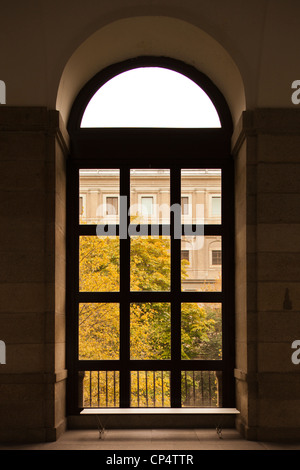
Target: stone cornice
(271, 121)
(34, 119)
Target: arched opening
(158, 83)
(159, 36)
(150, 304)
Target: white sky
(150, 97)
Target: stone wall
(267, 154)
(33, 149)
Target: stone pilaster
(33, 149)
(267, 154)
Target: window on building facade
(216, 206)
(149, 320)
(81, 206)
(216, 257)
(147, 205)
(112, 205)
(185, 254)
(185, 205)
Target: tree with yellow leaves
(150, 323)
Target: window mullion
(176, 297)
(175, 287)
(124, 288)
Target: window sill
(158, 411)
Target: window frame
(185, 255)
(215, 256)
(153, 214)
(186, 207)
(161, 148)
(212, 215)
(111, 217)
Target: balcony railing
(100, 389)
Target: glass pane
(150, 97)
(185, 205)
(99, 331)
(150, 389)
(147, 205)
(150, 266)
(99, 264)
(201, 263)
(98, 389)
(201, 331)
(201, 196)
(216, 206)
(150, 196)
(201, 388)
(150, 331)
(99, 191)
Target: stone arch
(160, 36)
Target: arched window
(150, 97)
(150, 261)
